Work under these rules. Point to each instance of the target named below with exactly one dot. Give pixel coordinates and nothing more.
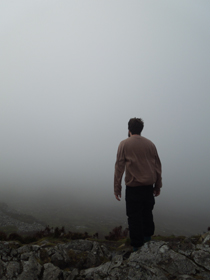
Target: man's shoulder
(122, 143)
(147, 140)
(136, 139)
(127, 140)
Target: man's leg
(148, 223)
(139, 206)
(134, 213)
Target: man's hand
(156, 192)
(118, 196)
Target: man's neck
(135, 135)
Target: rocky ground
(175, 259)
(22, 223)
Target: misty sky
(72, 73)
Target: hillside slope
(12, 220)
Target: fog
(73, 73)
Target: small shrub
(3, 236)
(29, 239)
(95, 235)
(117, 233)
(15, 236)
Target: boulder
(31, 269)
(79, 245)
(13, 269)
(52, 272)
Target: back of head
(135, 125)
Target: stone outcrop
(85, 259)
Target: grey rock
(66, 274)
(96, 249)
(202, 258)
(51, 251)
(26, 256)
(78, 259)
(107, 254)
(91, 260)
(2, 268)
(57, 259)
(31, 269)
(65, 254)
(207, 238)
(65, 258)
(84, 259)
(134, 274)
(6, 258)
(155, 260)
(175, 263)
(158, 254)
(116, 261)
(14, 253)
(185, 277)
(186, 248)
(13, 269)
(72, 275)
(203, 275)
(80, 245)
(35, 248)
(24, 249)
(203, 247)
(4, 248)
(95, 258)
(97, 255)
(51, 272)
(148, 255)
(101, 270)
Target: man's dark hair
(135, 125)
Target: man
(139, 158)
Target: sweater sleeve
(158, 183)
(119, 170)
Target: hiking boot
(135, 249)
(147, 238)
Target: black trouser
(139, 205)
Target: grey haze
(74, 72)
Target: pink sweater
(138, 157)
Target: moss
(168, 238)
(196, 239)
(198, 277)
(51, 241)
